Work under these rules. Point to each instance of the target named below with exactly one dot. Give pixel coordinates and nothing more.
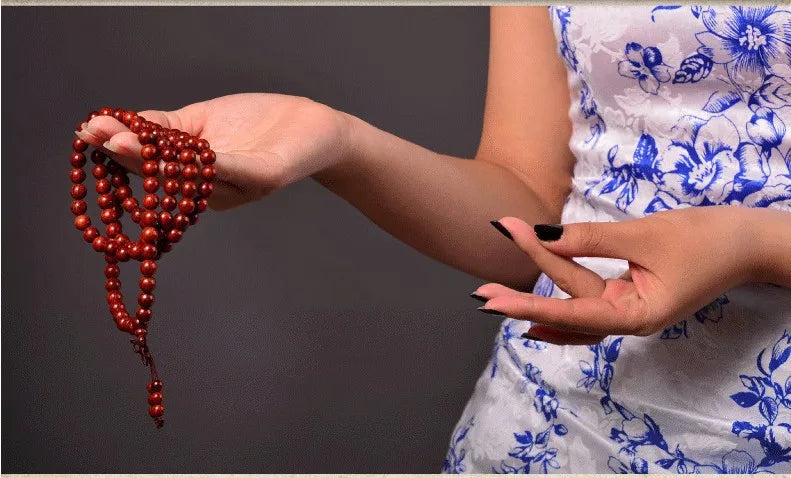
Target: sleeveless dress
(672, 107)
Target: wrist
(350, 149)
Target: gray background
(292, 334)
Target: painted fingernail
(491, 311)
(548, 232)
(527, 335)
(478, 297)
(502, 229)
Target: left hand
(679, 261)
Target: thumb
(621, 240)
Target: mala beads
(163, 220)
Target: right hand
(263, 141)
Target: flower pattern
(748, 38)
(687, 107)
(644, 64)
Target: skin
(441, 205)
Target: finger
(492, 290)
(104, 127)
(557, 336)
(622, 240)
(585, 315)
(125, 149)
(572, 278)
(544, 333)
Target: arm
(442, 205)
(438, 204)
(772, 246)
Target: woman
(665, 348)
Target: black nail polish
(502, 229)
(527, 335)
(478, 297)
(548, 232)
(491, 311)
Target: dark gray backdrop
(292, 334)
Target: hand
(679, 261)
(263, 142)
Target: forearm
(438, 204)
(773, 245)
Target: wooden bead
(150, 168)
(77, 160)
(78, 207)
(81, 222)
(78, 191)
(77, 175)
(149, 151)
(79, 145)
(147, 284)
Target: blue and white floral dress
(672, 107)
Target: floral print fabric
(672, 107)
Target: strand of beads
(161, 224)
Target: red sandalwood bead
(98, 157)
(188, 190)
(99, 171)
(147, 284)
(90, 234)
(105, 200)
(77, 160)
(155, 398)
(145, 300)
(148, 268)
(111, 270)
(112, 284)
(190, 171)
(123, 193)
(143, 314)
(149, 219)
(129, 204)
(150, 168)
(187, 156)
(149, 151)
(150, 201)
(149, 235)
(206, 189)
(81, 222)
(186, 205)
(78, 191)
(169, 203)
(77, 175)
(79, 145)
(149, 251)
(207, 157)
(78, 207)
(150, 185)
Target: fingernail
(110, 146)
(527, 335)
(548, 232)
(502, 229)
(478, 297)
(491, 311)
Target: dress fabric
(672, 107)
